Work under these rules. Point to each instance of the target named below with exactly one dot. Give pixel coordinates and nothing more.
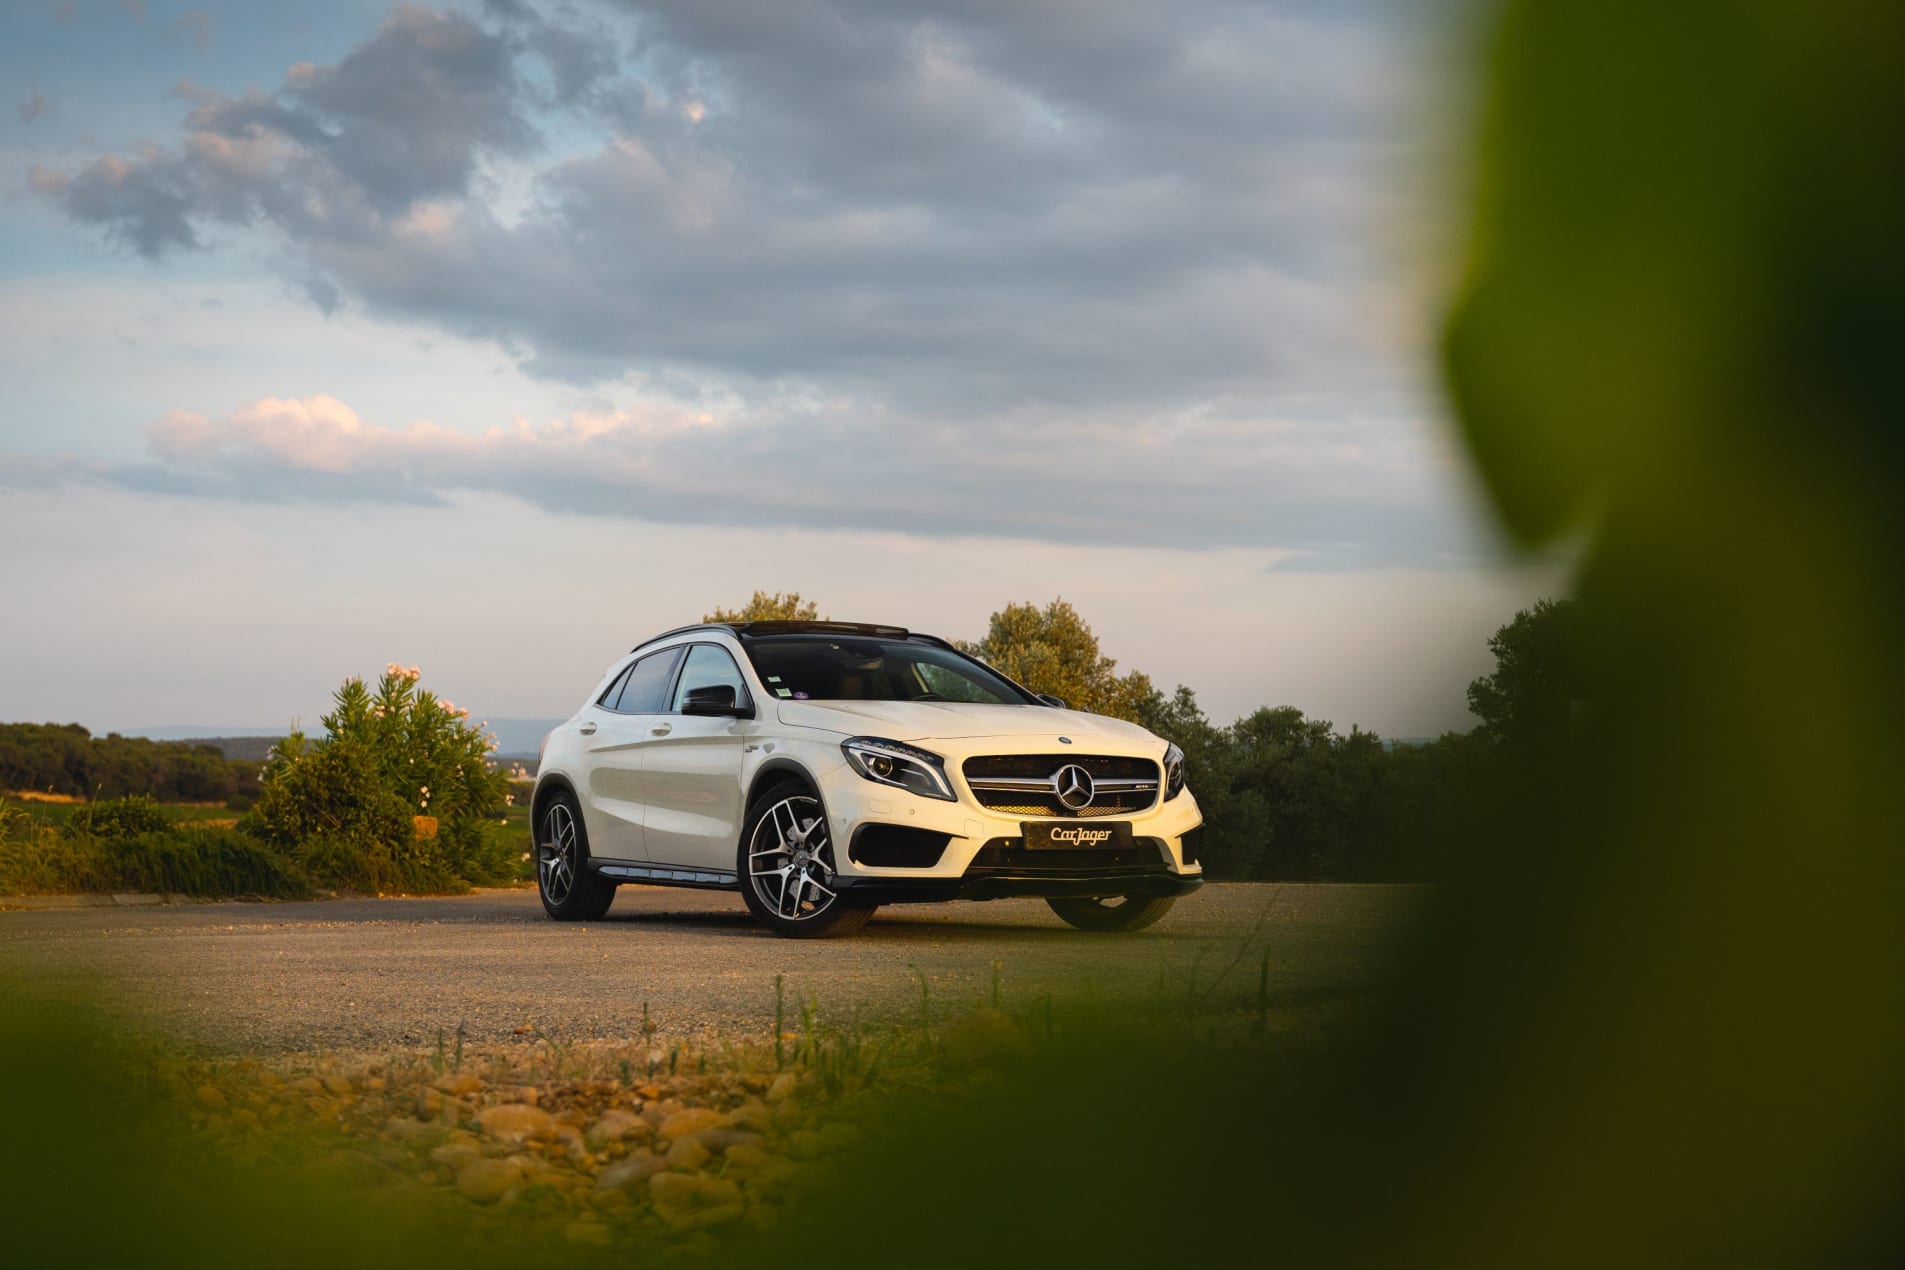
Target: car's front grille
(1033, 784)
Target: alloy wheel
(555, 856)
(790, 860)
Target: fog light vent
(897, 847)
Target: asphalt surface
(348, 976)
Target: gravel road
(345, 976)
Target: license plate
(1076, 835)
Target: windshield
(849, 668)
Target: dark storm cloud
(1006, 241)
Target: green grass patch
(58, 815)
(206, 863)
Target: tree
(1540, 674)
(1052, 650)
(769, 608)
(68, 759)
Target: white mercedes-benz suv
(823, 769)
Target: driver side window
(708, 666)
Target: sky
(495, 337)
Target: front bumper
(968, 852)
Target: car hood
(952, 720)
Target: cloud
(336, 154)
(929, 259)
(930, 204)
(1194, 482)
(142, 200)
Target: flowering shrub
(348, 803)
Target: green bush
(117, 818)
(344, 805)
(208, 863)
(49, 863)
(203, 862)
(325, 806)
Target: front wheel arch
(772, 772)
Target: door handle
(587, 729)
(661, 729)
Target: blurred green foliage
(106, 1168)
(1683, 325)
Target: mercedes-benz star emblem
(1073, 784)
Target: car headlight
(1173, 773)
(902, 766)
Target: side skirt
(670, 875)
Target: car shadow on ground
(893, 924)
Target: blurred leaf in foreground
(1660, 1020)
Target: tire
(570, 891)
(1114, 913)
(784, 840)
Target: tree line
(66, 759)
(1289, 797)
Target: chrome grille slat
(1026, 784)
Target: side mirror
(715, 701)
(1050, 700)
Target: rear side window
(614, 691)
(645, 687)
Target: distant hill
(515, 738)
(253, 744)
(255, 748)
(187, 733)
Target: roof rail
(821, 628)
(683, 630)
